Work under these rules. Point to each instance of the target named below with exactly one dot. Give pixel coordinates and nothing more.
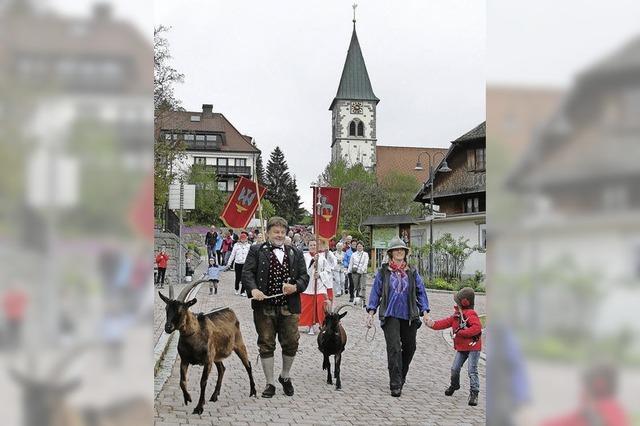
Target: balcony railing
(232, 170)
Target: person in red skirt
(320, 289)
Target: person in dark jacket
(274, 275)
(210, 240)
(399, 295)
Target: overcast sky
(273, 68)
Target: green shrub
(441, 284)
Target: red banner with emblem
(326, 211)
(242, 204)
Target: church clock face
(356, 107)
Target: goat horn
(185, 291)
(337, 310)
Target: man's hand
(289, 289)
(257, 294)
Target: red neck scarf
(398, 267)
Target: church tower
(353, 111)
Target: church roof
(354, 83)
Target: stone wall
(170, 242)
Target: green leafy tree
(361, 195)
(209, 199)
(268, 210)
(399, 190)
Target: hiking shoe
(473, 398)
(287, 386)
(269, 391)
(396, 393)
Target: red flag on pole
(326, 211)
(242, 204)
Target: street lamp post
(443, 168)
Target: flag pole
(255, 179)
(317, 207)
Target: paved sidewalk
(364, 399)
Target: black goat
(332, 340)
(205, 340)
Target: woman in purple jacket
(399, 296)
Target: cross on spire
(354, 12)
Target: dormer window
(195, 118)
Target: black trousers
(161, 272)
(350, 286)
(220, 257)
(238, 269)
(400, 337)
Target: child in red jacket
(466, 341)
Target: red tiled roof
(403, 159)
(209, 122)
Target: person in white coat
(239, 255)
(319, 291)
(358, 264)
(338, 271)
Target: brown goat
(205, 340)
(332, 340)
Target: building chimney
(207, 109)
(102, 12)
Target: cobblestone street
(364, 399)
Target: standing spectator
(398, 290)
(259, 239)
(358, 263)
(343, 239)
(210, 241)
(162, 259)
(239, 256)
(188, 269)
(298, 242)
(338, 271)
(347, 243)
(219, 255)
(234, 235)
(345, 262)
(227, 244)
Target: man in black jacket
(274, 275)
(210, 241)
